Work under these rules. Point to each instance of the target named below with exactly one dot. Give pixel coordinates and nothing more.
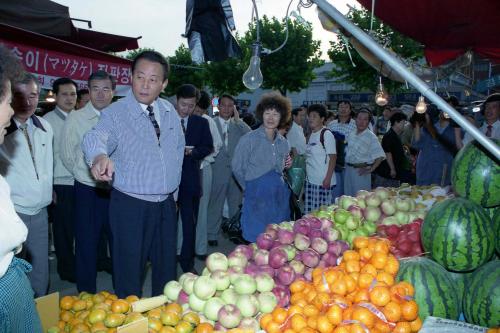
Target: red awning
(50, 58)
(447, 28)
(52, 19)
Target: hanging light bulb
(252, 79)
(50, 97)
(381, 96)
(421, 107)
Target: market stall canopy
(50, 58)
(447, 28)
(52, 19)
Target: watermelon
(460, 280)
(481, 304)
(435, 292)
(475, 175)
(458, 234)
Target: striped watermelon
(461, 280)
(475, 174)
(481, 304)
(435, 292)
(458, 234)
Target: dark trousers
(142, 230)
(63, 228)
(188, 208)
(91, 221)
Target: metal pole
(411, 78)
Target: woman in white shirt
(17, 306)
(321, 155)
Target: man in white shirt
(201, 243)
(364, 154)
(27, 165)
(62, 221)
(344, 125)
(92, 197)
(295, 135)
(491, 111)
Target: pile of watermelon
(461, 273)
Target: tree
(363, 76)
(225, 76)
(182, 69)
(291, 68)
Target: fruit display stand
(48, 310)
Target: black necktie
(153, 121)
(183, 126)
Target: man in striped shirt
(138, 146)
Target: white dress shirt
(217, 141)
(224, 125)
(13, 230)
(363, 147)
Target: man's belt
(358, 165)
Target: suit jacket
(197, 135)
(222, 166)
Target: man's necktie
(153, 121)
(24, 129)
(489, 130)
(226, 129)
(183, 126)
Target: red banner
(49, 65)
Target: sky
(162, 22)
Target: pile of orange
(360, 295)
(104, 312)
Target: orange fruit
(382, 246)
(288, 330)
(364, 315)
(350, 255)
(298, 322)
(167, 329)
(352, 266)
(402, 327)
(79, 305)
(296, 297)
(295, 309)
(347, 313)
(392, 265)
(370, 269)
(334, 314)
(265, 320)
(382, 327)
(120, 306)
(310, 296)
(297, 286)
(378, 260)
(380, 296)
(356, 328)
(323, 325)
(310, 310)
(279, 315)
(321, 300)
(308, 330)
(98, 327)
(385, 277)
(365, 254)
(416, 325)
(301, 303)
(361, 296)
(131, 299)
(392, 311)
(360, 242)
(350, 283)
(365, 280)
(66, 303)
(339, 287)
(174, 307)
(112, 297)
(341, 329)
(155, 313)
(409, 310)
(204, 328)
(312, 322)
(66, 316)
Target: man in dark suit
(199, 144)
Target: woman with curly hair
(258, 163)
(17, 306)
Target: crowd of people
(147, 181)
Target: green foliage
(183, 70)
(291, 68)
(363, 76)
(224, 76)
